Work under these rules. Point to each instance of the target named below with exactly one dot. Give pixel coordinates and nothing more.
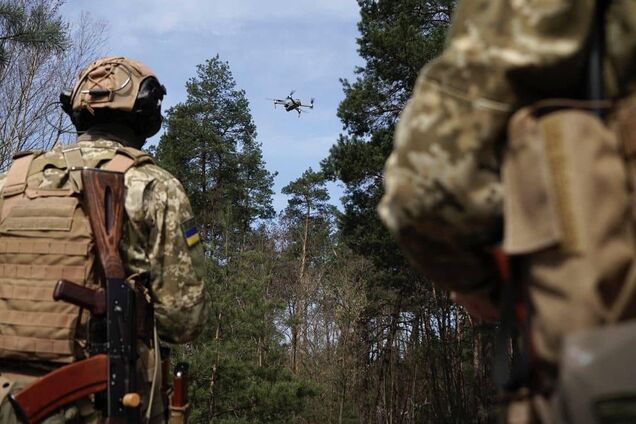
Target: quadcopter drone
(290, 103)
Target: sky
(272, 47)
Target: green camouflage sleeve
(443, 194)
(177, 264)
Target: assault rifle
(112, 364)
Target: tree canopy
(210, 145)
(32, 24)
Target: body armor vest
(45, 236)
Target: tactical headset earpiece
(65, 101)
(147, 107)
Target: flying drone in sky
(290, 103)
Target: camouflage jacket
(443, 196)
(156, 240)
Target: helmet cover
(111, 82)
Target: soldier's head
(116, 90)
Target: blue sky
(272, 46)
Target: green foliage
(210, 145)
(31, 24)
(308, 195)
(241, 374)
(396, 39)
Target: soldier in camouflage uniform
(115, 106)
(444, 197)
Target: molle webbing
(37, 347)
(44, 237)
(36, 319)
(32, 325)
(18, 292)
(42, 272)
(43, 246)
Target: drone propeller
(275, 101)
(291, 93)
(311, 102)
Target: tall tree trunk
(212, 402)
(299, 307)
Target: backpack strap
(126, 158)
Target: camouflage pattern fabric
(442, 179)
(157, 208)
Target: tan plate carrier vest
(45, 236)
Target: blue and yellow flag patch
(190, 232)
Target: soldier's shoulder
(152, 180)
(151, 171)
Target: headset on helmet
(116, 89)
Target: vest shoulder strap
(17, 175)
(126, 158)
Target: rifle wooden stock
(104, 201)
(92, 299)
(61, 387)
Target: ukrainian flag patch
(190, 232)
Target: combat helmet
(116, 89)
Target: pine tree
(241, 369)
(308, 218)
(210, 145)
(29, 24)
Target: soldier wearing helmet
(115, 105)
